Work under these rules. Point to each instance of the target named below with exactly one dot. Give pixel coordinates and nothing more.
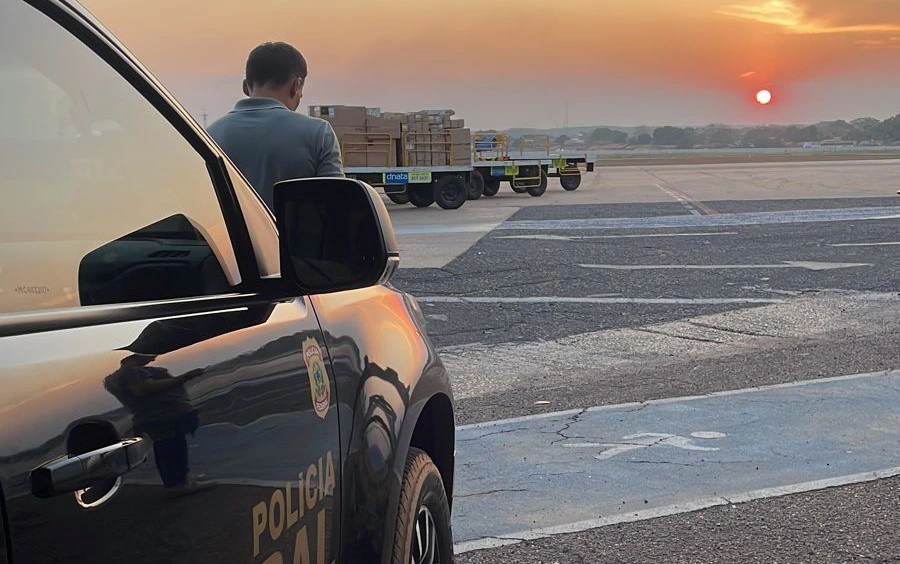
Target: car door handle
(73, 473)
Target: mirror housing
(334, 234)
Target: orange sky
(518, 62)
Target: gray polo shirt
(269, 143)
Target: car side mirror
(335, 234)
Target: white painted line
(578, 300)
(690, 207)
(436, 229)
(884, 244)
(540, 237)
(662, 401)
(808, 265)
(704, 221)
(687, 507)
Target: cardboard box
(373, 112)
(353, 146)
(457, 123)
(439, 159)
(354, 159)
(441, 141)
(383, 125)
(460, 136)
(417, 159)
(348, 135)
(377, 159)
(461, 152)
(340, 115)
(380, 150)
(438, 113)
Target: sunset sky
(519, 63)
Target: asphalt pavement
(668, 283)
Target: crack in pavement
(790, 456)
(734, 331)
(685, 337)
(572, 420)
(491, 492)
(665, 462)
(501, 432)
(562, 473)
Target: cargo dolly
(445, 183)
(528, 167)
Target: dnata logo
(396, 177)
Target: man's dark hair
(274, 64)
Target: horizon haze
(516, 64)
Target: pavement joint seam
(685, 337)
(734, 331)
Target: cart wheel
(516, 188)
(450, 192)
(420, 196)
(491, 186)
(570, 182)
(476, 185)
(399, 197)
(539, 190)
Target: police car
(187, 376)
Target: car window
(104, 201)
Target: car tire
(422, 533)
(491, 187)
(420, 196)
(516, 188)
(570, 182)
(476, 185)
(539, 190)
(400, 198)
(450, 192)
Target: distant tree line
(858, 130)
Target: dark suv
(185, 375)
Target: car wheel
(570, 181)
(539, 190)
(450, 192)
(514, 184)
(422, 534)
(491, 186)
(420, 196)
(399, 197)
(476, 185)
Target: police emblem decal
(319, 387)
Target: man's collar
(248, 104)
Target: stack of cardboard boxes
(366, 138)
(372, 138)
(434, 138)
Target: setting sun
(763, 97)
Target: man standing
(264, 136)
